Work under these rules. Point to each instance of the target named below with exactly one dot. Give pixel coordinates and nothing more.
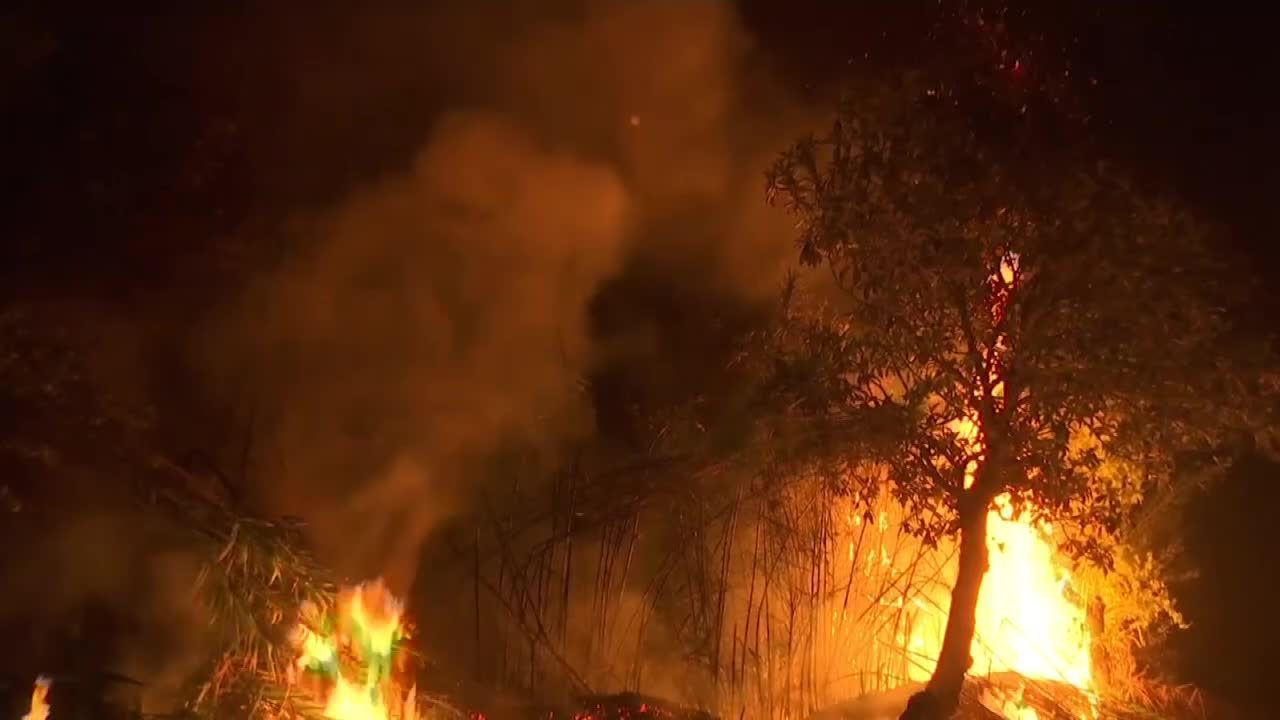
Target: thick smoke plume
(441, 311)
(437, 311)
(444, 191)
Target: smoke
(441, 312)
(672, 94)
(438, 311)
(68, 565)
(485, 177)
(177, 641)
(90, 592)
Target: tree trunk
(941, 696)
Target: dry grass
(259, 583)
(257, 577)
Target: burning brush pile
(296, 644)
(346, 664)
(828, 606)
(292, 644)
(348, 657)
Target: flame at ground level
(348, 656)
(39, 700)
(1026, 621)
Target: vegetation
(999, 318)
(1012, 320)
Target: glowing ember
(39, 700)
(352, 653)
(1010, 707)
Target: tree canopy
(1014, 319)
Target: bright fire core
(1027, 623)
(348, 656)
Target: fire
(1031, 618)
(352, 651)
(39, 700)
(1026, 622)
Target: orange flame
(366, 630)
(39, 700)
(1026, 623)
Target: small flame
(39, 700)
(367, 626)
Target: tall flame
(1025, 621)
(365, 631)
(39, 700)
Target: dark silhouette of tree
(1016, 321)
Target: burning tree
(1016, 326)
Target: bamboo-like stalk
(475, 586)
(568, 562)
(626, 568)
(726, 554)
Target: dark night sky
(136, 141)
(163, 104)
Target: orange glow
(1028, 622)
(1025, 621)
(39, 700)
(354, 659)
